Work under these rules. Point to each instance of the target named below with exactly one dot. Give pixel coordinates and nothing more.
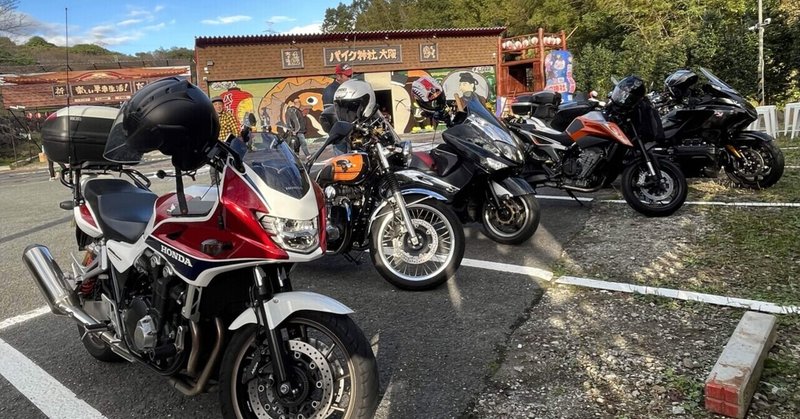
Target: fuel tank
(350, 168)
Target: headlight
(494, 164)
(297, 235)
(509, 151)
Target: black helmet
(628, 93)
(174, 117)
(679, 82)
(428, 94)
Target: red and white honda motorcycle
(195, 283)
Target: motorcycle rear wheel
(761, 167)
(430, 263)
(333, 366)
(97, 348)
(650, 198)
(515, 223)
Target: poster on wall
(558, 74)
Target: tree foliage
(650, 38)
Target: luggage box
(529, 103)
(78, 134)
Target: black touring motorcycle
(705, 130)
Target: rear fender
(283, 305)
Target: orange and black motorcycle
(414, 238)
(598, 146)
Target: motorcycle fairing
(595, 124)
(197, 271)
(415, 178)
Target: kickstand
(354, 260)
(575, 197)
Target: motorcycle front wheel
(758, 166)
(654, 197)
(514, 223)
(333, 371)
(430, 262)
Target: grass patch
(787, 190)
(686, 390)
(751, 253)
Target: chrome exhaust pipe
(54, 286)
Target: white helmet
(354, 100)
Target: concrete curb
(735, 376)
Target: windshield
(280, 169)
(717, 83)
(117, 149)
(477, 114)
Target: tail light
(86, 215)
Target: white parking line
(723, 204)
(762, 306)
(24, 317)
(505, 267)
(710, 203)
(44, 391)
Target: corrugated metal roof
(350, 36)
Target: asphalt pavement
(434, 349)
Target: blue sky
(139, 26)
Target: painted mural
(267, 99)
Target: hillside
(38, 55)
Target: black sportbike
(705, 130)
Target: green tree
(89, 49)
(339, 19)
(38, 42)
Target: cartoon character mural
(267, 98)
(307, 89)
(558, 72)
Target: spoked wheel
(757, 166)
(333, 372)
(428, 263)
(513, 223)
(654, 197)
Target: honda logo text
(175, 255)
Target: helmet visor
(350, 110)
(117, 149)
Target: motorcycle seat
(122, 209)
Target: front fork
(653, 168)
(276, 348)
(400, 203)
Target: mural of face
(465, 84)
(309, 92)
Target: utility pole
(761, 86)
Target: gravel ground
(585, 353)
